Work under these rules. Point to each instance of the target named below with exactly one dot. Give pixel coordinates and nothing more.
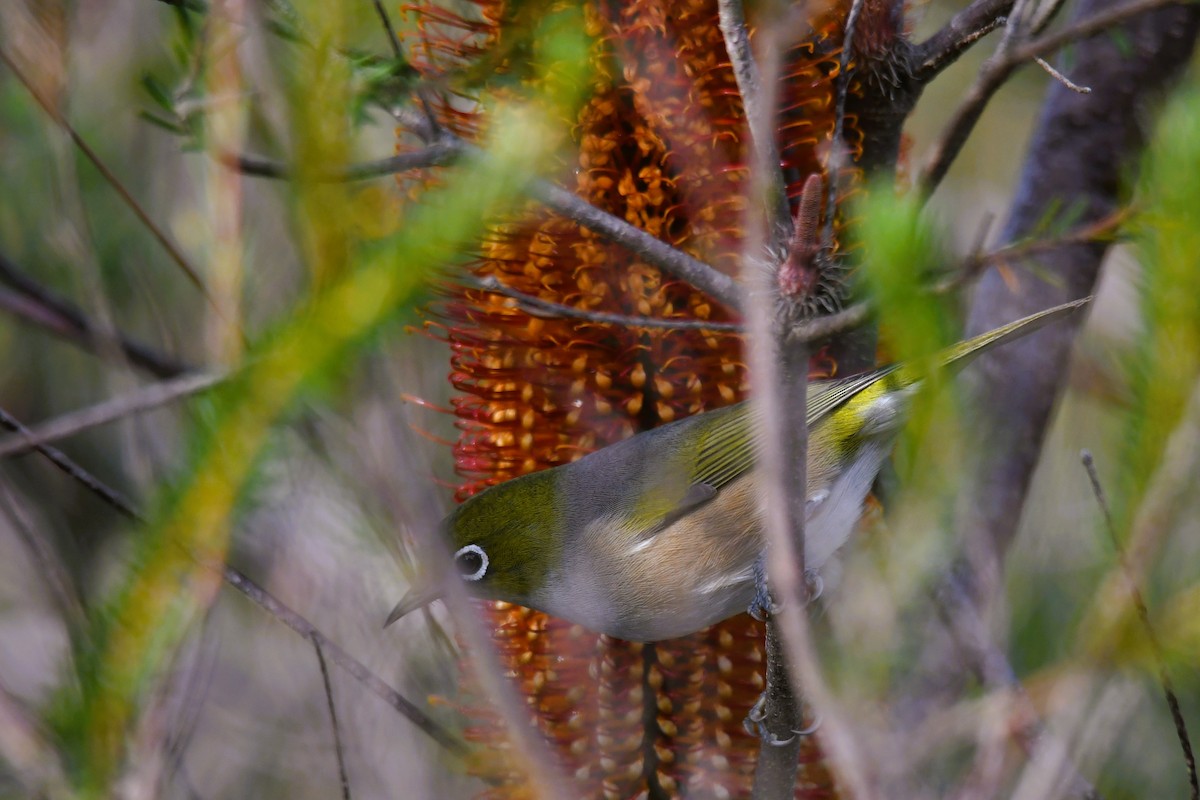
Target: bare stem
(997, 70)
(438, 154)
(264, 599)
(654, 251)
(1143, 613)
(963, 30)
(333, 720)
(779, 751)
(544, 308)
(169, 247)
(143, 399)
(732, 19)
(37, 305)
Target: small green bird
(660, 535)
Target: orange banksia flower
(661, 142)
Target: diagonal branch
(39, 306)
(963, 30)
(264, 599)
(732, 19)
(1143, 614)
(654, 251)
(438, 154)
(996, 71)
(169, 247)
(135, 402)
(537, 307)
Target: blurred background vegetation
(312, 470)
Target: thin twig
(357, 670)
(997, 70)
(164, 241)
(544, 308)
(819, 328)
(93, 484)
(37, 305)
(732, 20)
(264, 599)
(654, 251)
(976, 264)
(333, 720)
(779, 375)
(1139, 604)
(1063, 79)
(438, 154)
(62, 589)
(837, 147)
(84, 419)
(388, 29)
(1084, 29)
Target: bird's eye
(472, 562)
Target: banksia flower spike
(660, 141)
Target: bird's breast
(648, 587)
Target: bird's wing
(727, 447)
(827, 396)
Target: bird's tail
(964, 352)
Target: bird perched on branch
(660, 535)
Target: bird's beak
(416, 597)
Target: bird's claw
(816, 586)
(762, 605)
(755, 724)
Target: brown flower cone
(661, 143)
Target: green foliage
(1164, 373)
(902, 255)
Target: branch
(963, 30)
(997, 70)
(779, 726)
(386, 21)
(172, 251)
(1081, 157)
(357, 670)
(438, 154)
(1100, 231)
(819, 328)
(264, 599)
(59, 459)
(333, 720)
(544, 308)
(444, 148)
(654, 251)
(135, 402)
(759, 115)
(837, 147)
(39, 306)
(1143, 614)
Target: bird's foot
(755, 724)
(762, 605)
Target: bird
(662, 534)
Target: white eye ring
(483, 561)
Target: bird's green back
(725, 445)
